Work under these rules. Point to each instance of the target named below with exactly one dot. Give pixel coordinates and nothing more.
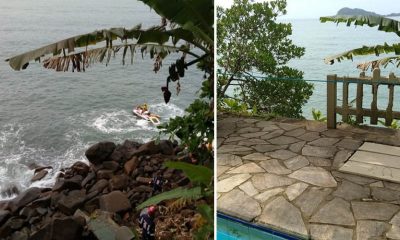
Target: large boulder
(67, 228)
(13, 224)
(119, 182)
(26, 197)
(4, 215)
(68, 204)
(39, 175)
(99, 186)
(131, 165)
(164, 146)
(100, 152)
(114, 202)
(73, 183)
(124, 152)
(80, 168)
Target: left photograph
(107, 119)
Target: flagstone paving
(284, 174)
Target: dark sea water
(50, 118)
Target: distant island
(361, 12)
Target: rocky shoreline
(98, 201)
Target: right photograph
(308, 102)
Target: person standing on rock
(146, 222)
(157, 183)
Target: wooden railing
(359, 112)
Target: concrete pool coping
(272, 231)
(283, 174)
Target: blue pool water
(229, 228)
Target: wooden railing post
(359, 100)
(345, 102)
(376, 75)
(331, 101)
(389, 109)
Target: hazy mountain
(361, 12)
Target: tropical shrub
(249, 40)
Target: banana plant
(384, 24)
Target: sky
(316, 8)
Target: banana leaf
(196, 16)
(86, 58)
(195, 173)
(152, 35)
(191, 193)
(383, 23)
(379, 62)
(365, 50)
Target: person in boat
(144, 109)
(146, 222)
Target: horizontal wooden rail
(373, 112)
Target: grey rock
(323, 152)
(335, 212)
(283, 140)
(310, 136)
(114, 202)
(371, 230)
(266, 195)
(267, 180)
(273, 166)
(228, 160)
(351, 191)
(315, 176)
(233, 149)
(324, 142)
(296, 132)
(320, 162)
(325, 232)
(273, 134)
(349, 144)
(283, 215)
(296, 147)
(374, 210)
(340, 158)
(247, 168)
(353, 178)
(256, 157)
(237, 203)
(293, 191)
(262, 148)
(309, 201)
(282, 154)
(296, 162)
(230, 183)
(384, 194)
(248, 188)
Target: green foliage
(233, 105)
(384, 24)
(185, 193)
(282, 97)
(394, 125)
(317, 115)
(250, 39)
(195, 173)
(206, 229)
(191, 25)
(351, 120)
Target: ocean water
(50, 118)
(327, 39)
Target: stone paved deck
(283, 174)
